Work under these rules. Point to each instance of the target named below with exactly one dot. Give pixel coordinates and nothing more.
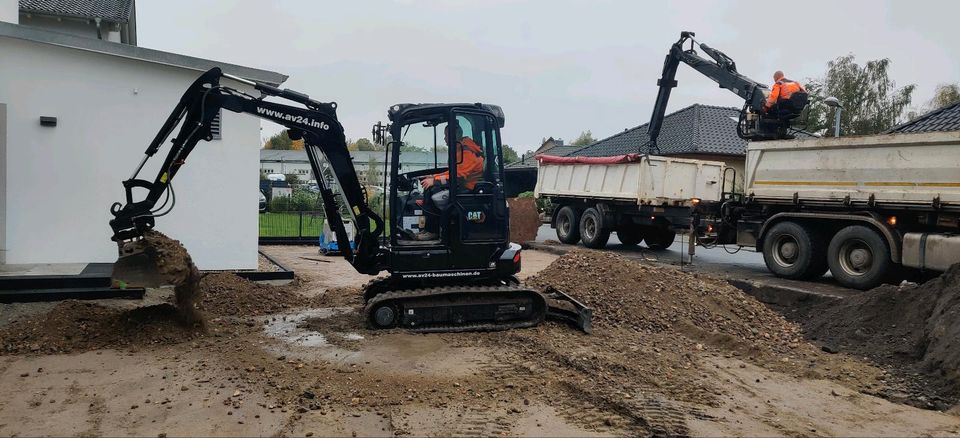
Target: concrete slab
(40, 269)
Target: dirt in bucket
(175, 265)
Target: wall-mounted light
(48, 121)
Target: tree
(872, 103)
(510, 155)
(585, 138)
(944, 96)
(279, 141)
(292, 179)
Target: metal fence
(293, 226)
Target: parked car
(263, 202)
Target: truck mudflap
(564, 308)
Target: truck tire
(659, 238)
(592, 232)
(568, 225)
(630, 234)
(793, 251)
(859, 258)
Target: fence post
(300, 229)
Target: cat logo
(476, 216)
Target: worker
(779, 99)
(436, 187)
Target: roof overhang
(43, 36)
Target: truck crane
(754, 123)
(462, 280)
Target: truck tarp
(626, 158)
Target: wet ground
(316, 371)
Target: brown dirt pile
(916, 327)
(227, 294)
(626, 294)
(175, 265)
(80, 326)
(654, 327)
(524, 219)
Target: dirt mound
(626, 294)
(524, 219)
(80, 326)
(228, 294)
(658, 333)
(916, 326)
(175, 265)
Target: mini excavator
(463, 279)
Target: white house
(109, 99)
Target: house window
(216, 124)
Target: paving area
(673, 352)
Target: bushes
(300, 200)
(543, 204)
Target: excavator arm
(721, 69)
(315, 122)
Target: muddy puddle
(338, 335)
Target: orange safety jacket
(783, 89)
(469, 163)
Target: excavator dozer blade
(135, 268)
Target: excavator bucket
(136, 267)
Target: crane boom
(723, 70)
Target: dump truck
(640, 197)
(861, 207)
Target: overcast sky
(556, 67)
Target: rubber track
(447, 290)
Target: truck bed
(649, 180)
(898, 170)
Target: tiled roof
(697, 128)
(112, 10)
(944, 119)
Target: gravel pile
(642, 298)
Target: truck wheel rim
(590, 228)
(786, 250)
(856, 258)
(564, 225)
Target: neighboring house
(943, 119)
(521, 176)
(109, 20)
(368, 164)
(58, 180)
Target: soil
(175, 265)
(298, 360)
(227, 294)
(524, 219)
(74, 326)
(911, 330)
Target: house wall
(3, 183)
(62, 180)
(73, 26)
(9, 11)
(736, 162)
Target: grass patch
(288, 224)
